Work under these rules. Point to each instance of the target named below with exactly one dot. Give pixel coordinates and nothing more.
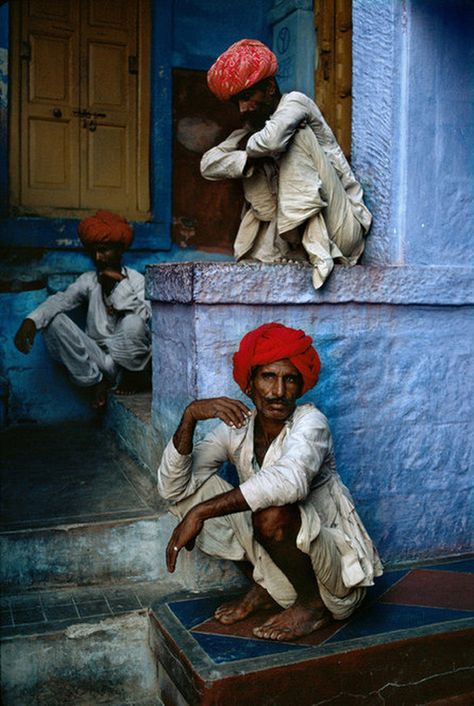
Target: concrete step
(411, 643)
(81, 647)
(129, 419)
(77, 510)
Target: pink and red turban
(272, 342)
(105, 227)
(243, 64)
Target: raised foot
(255, 599)
(298, 620)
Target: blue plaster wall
(396, 382)
(438, 213)
(413, 127)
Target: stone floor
(410, 643)
(69, 473)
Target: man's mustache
(277, 400)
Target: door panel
(60, 10)
(109, 89)
(50, 92)
(70, 57)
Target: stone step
(79, 646)
(78, 510)
(129, 419)
(411, 643)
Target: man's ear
(271, 86)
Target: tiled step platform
(412, 642)
(80, 646)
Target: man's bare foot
(99, 395)
(132, 382)
(302, 618)
(257, 598)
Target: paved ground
(69, 474)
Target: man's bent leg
(311, 192)
(232, 537)
(130, 345)
(277, 528)
(85, 361)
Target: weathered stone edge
(257, 283)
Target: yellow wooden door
(83, 107)
(49, 93)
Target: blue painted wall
(438, 212)
(413, 127)
(396, 381)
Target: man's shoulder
(310, 415)
(87, 279)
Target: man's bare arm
(187, 530)
(233, 412)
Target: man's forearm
(183, 436)
(225, 504)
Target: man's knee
(134, 326)
(57, 327)
(276, 523)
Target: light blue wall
(438, 214)
(396, 380)
(413, 127)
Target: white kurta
(117, 327)
(303, 179)
(299, 467)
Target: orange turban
(272, 342)
(243, 64)
(105, 227)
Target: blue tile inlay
(385, 617)
(224, 648)
(464, 565)
(194, 611)
(383, 583)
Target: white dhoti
(232, 537)
(88, 360)
(309, 197)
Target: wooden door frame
(142, 210)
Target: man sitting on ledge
(303, 201)
(291, 523)
(115, 348)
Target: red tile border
(433, 588)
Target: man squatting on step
(115, 348)
(303, 201)
(291, 524)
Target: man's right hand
(25, 336)
(233, 412)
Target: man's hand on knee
(25, 336)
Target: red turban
(272, 342)
(105, 227)
(243, 64)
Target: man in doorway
(291, 523)
(115, 348)
(303, 201)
